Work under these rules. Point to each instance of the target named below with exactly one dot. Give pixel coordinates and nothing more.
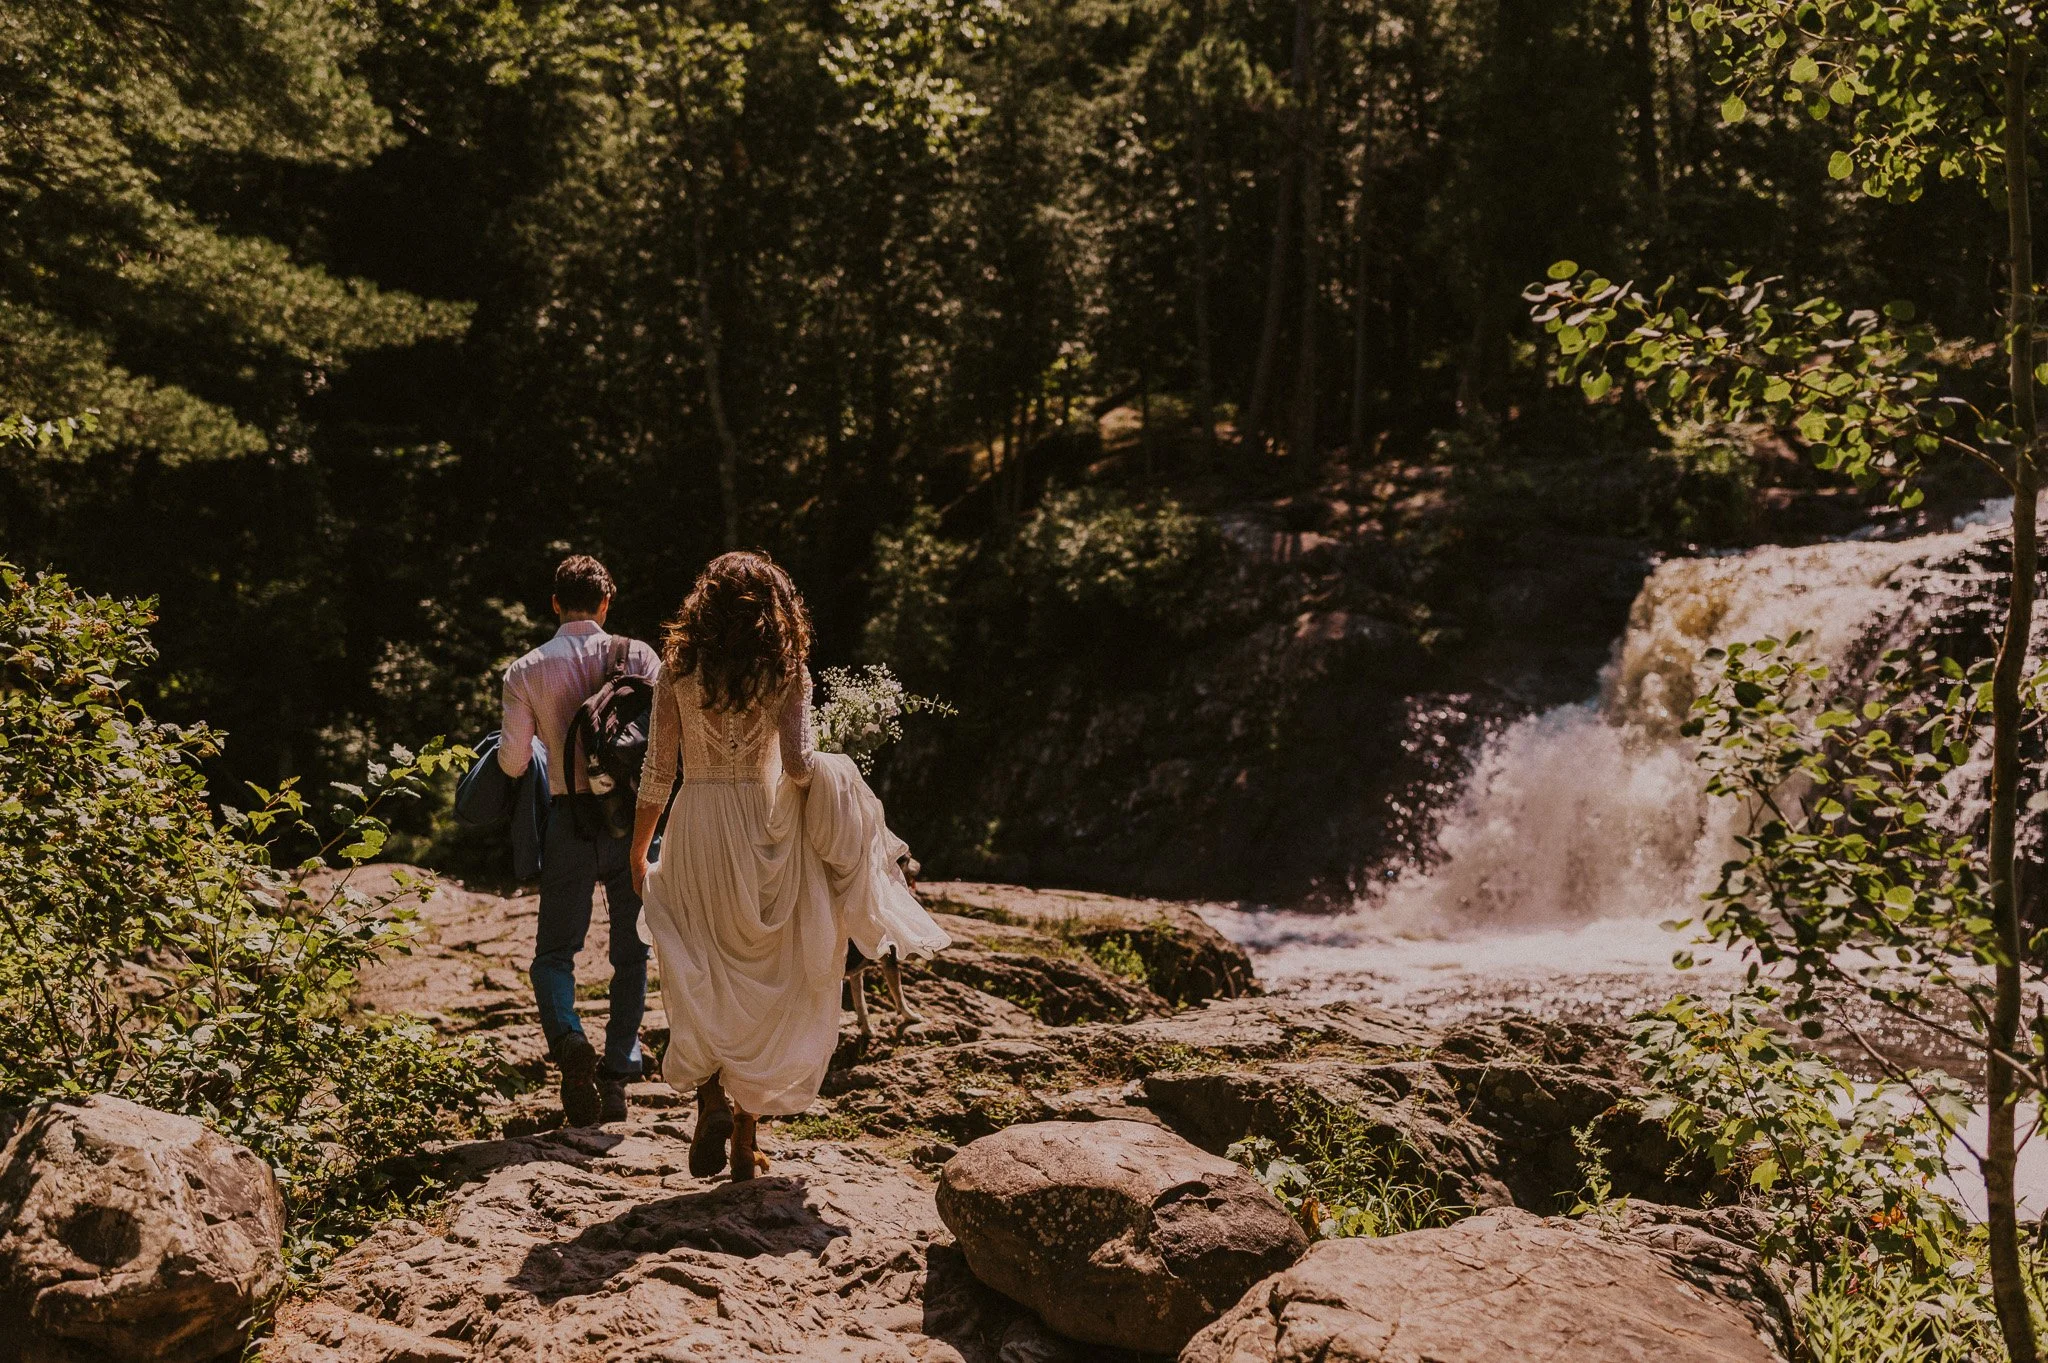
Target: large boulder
(1115, 1232)
(1506, 1285)
(130, 1236)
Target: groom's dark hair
(582, 584)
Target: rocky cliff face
(1298, 730)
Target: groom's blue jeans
(570, 870)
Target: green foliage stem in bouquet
(154, 947)
(1915, 88)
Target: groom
(543, 691)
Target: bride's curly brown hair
(743, 630)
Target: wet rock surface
(1115, 1233)
(1506, 1285)
(130, 1236)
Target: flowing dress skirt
(758, 891)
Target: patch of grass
(1104, 1056)
(1119, 956)
(1345, 1178)
(821, 1126)
(1009, 1108)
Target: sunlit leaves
(1859, 387)
(154, 949)
(895, 58)
(1910, 87)
(1832, 1161)
(1845, 877)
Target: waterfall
(1595, 811)
(1581, 828)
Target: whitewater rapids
(1583, 830)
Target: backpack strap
(621, 651)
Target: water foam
(1581, 828)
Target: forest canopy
(967, 310)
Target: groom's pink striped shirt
(544, 688)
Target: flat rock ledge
(1505, 1285)
(596, 1244)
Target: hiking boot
(714, 1130)
(578, 1059)
(612, 1089)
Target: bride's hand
(640, 876)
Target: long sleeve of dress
(658, 768)
(799, 746)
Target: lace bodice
(752, 746)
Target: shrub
(155, 949)
(915, 574)
(1836, 1164)
(1886, 1268)
(1091, 554)
(1119, 956)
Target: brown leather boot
(611, 1090)
(578, 1059)
(714, 1129)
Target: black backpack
(607, 743)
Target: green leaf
(1842, 91)
(1563, 269)
(1806, 70)
(1733, 110)
(1841, 165)
(1765, 1175)
(1596, 386)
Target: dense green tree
(785, 273)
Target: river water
(1582, 830)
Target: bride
(775, 857)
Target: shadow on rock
(745, 1220)
(575, 1146)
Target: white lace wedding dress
(775, 857)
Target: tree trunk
(1303, 437)
(2008, 1273)
(1644, 80)
(1361, 300)
(1205, 354)
(1276, 267)
(1361, 234)
(728, 448)
(1145, 424)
